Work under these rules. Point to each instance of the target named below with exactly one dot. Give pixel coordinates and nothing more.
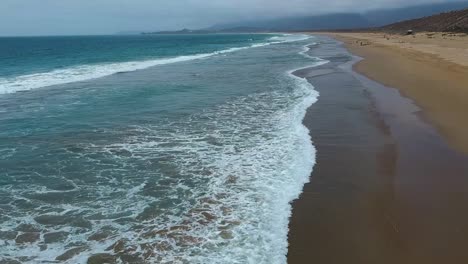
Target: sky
(79, 17)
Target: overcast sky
(59, 17)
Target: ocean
(152, 148)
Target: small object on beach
(364, 43)
(409, 32)
(430, 35)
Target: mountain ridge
(334, 21)
(372, 19)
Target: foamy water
(212, 186)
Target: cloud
(47, 17)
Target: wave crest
(88, 72)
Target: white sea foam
(306, 49)
(290, 37)
(82, 73)
(88, 72)
(241, 175)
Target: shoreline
(386, 187)
(429, 68)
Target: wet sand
(387, 188)
(430, 68)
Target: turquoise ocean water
(152, 149)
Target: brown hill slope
(454, 21)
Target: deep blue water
(183, 148)
(28, 55)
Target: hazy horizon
(54, 17)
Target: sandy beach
(234, 132)
(430, 68)
(390, 185)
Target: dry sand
(430, 68)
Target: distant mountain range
(370, 19)
(375, 18)
(329, 21)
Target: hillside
(384, 17)
(454, 21)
